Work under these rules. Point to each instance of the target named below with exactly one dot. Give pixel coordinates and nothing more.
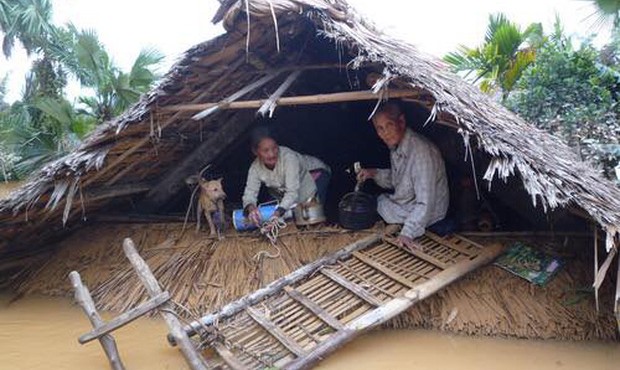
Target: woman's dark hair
(257, 135)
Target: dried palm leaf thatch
(148, 140)
(203, 274)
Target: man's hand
(407, 242)
(366, 173)
(254, 215)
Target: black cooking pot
(357, 211)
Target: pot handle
(304, 212)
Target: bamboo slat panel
(303, 321)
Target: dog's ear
(220, 180)
(191, 180)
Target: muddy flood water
(41, 333)
(7, 187)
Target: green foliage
(27, 143)
(44, 125)
(498, 63)
(606, 11)
(28, 21)
(571, 93)
(114, 90)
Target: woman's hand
(254, 215)
(407, 242)
(366, 173)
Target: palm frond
(521, 61)
(143, 71)
(35, 17)
(59, 110)
(607, 12)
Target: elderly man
(417, 175)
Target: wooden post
(617, 305)
(195, 361)
(125, 318)
(596, 264)
(602, 272)
(83, 298)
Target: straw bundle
(490, 301)
(203, 274)
(200, 272)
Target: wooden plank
(271, 103)
(600, 274)
(448, 243)
(174, 180)
(314, 308)
(596, 298)
(359, 274)
(84, 299)
(114, 192)
(125, 318)
(151, 284)
(421, 255)
(228, 357)
(351, 286)
(239, 94)
(617, 304)
(295, 276)
(385, 270)
(394, 307)
(515, 234)
(413, 271)
(275, 331)
(129, 168)
(346, 96)
(467, 240)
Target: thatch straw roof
(204, 274)
(133, 153)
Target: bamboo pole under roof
(340, 97)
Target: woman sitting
(290, 177)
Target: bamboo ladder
(295, 321)
(159, 301)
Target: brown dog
(211, 200)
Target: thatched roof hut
(331, 66)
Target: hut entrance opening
(340, 134)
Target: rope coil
(271, 230)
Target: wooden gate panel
(302, 320)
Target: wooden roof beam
(206, 152)
(340, 97)
(271, 103)
(239, 94)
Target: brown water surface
(41, 333)
(7, 187)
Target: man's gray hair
(391, 108)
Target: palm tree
(606, 11)
(113, 90)
(44, 125)
(28, 21)
(501, 59)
